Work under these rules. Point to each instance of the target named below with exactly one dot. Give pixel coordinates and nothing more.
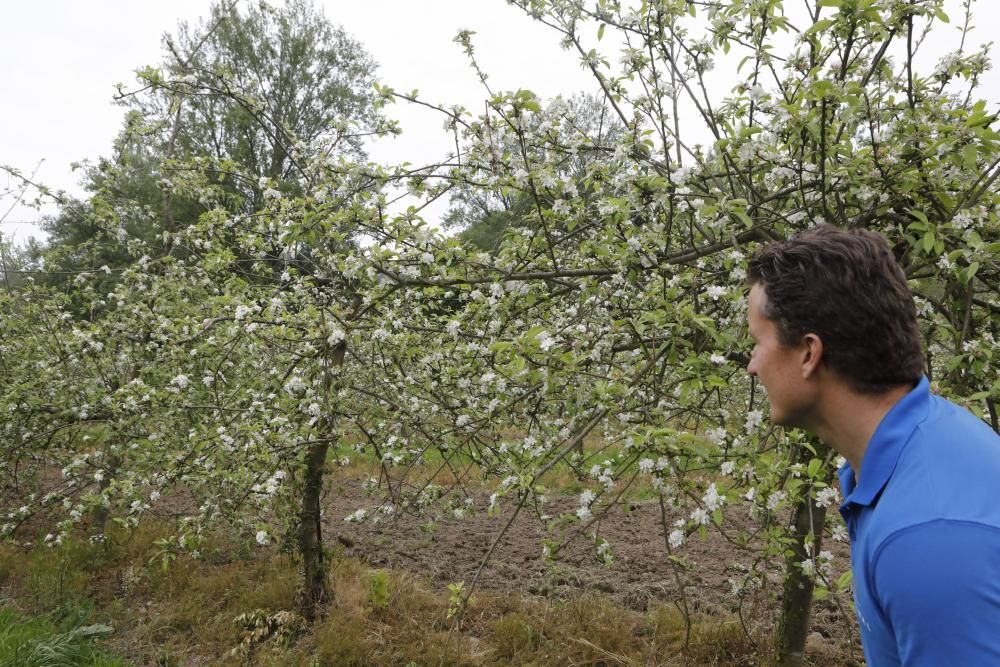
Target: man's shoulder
(948, 471)
(949, 420)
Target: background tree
(242, 98)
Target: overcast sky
(60, 60)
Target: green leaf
(844, 580)
(978, 118)
(744, 218)
(941, 16)
(822, 87)
(97, 630)
(818, 26)
(716, 381)
(969, 156)
(971, 271)
(600, 32)
(929, 240)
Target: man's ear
(812, 354)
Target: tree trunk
(314, 591)
(796, 603)
(793, 626)
(99, 517)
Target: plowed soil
(446, 549)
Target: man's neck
(847, 420)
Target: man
(838, 350)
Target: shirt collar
(884, 448)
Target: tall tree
(244, 97)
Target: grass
(188, 614)
(45, 642)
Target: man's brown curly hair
(846, 287)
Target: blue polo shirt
(924, 522)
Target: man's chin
(789, 420)
(782, 419)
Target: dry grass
(184, 614)
(593, 630)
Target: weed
(41, 642)
(340, 640)
(515, 637)
(49, 578)
(710, 642)
(456, 592)
(376, 584)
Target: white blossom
(295, 385)
(827, 496)
(241, 312)
(716, 291)
(717, 435)
(775, 499)
(356, 517)
(713, 499)
(700, 517)
(545, 341)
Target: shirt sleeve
(938, 584)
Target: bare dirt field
(445, 549)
